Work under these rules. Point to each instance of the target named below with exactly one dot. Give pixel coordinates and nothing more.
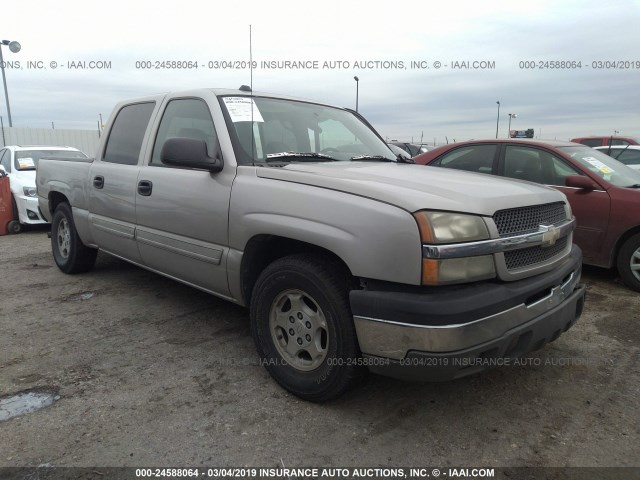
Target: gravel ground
(148, 372)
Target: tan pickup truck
(348, 257)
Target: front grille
(532, 255)
(519, 221)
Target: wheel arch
(262, 250)
(613, 260)
(55, 199)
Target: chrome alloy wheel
(64, 237)
(634, 263)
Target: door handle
(145, 187)
(98, 181)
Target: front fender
(374, 239)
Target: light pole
(15, 48)
(357, 85)
(511, 115)
(498, 119)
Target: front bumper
(28, 210)
(442, 333)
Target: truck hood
(416, 187)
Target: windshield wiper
(379, 158)
(313, 156)
(635, 185)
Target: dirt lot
(153, 373)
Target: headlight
(30, 191)
(443, 227)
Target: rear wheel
(69, 253)
(629, 262)
(303, 328)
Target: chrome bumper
(390, 339)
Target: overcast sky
(400, 101)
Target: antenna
(253, 133)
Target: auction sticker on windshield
(599, 165)
(242, 109)
(26, 162)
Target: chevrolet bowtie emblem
(550, 235)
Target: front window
(536, 165)
(271, 130)
(185, 118)
(28, 159)
(604, 166)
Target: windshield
(28, 159)
(266, 128)
(604, 166)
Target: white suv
(20, 163)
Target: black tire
(629, 262)
(69, 253)
(14, 227)
(326, 363)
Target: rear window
(591, 142)
(127, 133)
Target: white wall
(85, 140)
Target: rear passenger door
(182, 213)
(113, 178)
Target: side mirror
(190, 153)
(580, 181)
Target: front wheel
(69, 253)
(629, 262)
(303, 329)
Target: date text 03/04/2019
(579, 65)
(309, 64)
(314, 472)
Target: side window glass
(561, 170)
(591, 142)
(185, 118)
(473, 158)
(536, 165)
(127, 133)
(524, 163)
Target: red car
(604, 194)
(605, 141)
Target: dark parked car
(603, 193)
(412, 149)
(398, 151)
(606, 140)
